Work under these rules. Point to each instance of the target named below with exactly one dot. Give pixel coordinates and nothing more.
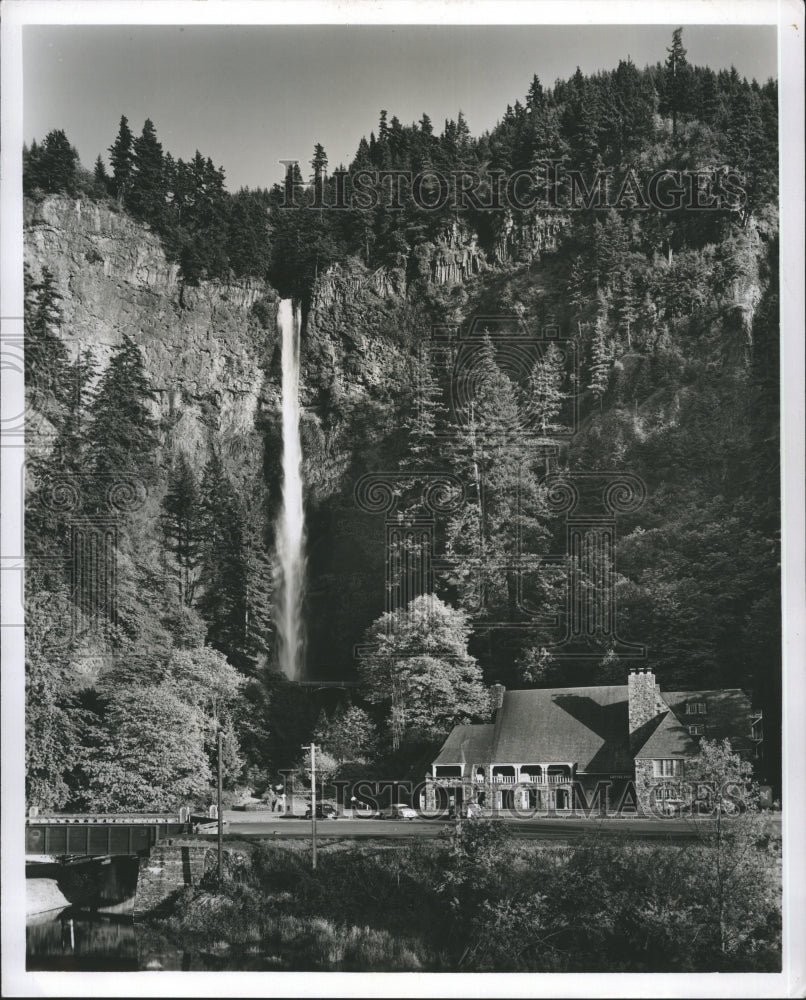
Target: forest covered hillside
(152, 360)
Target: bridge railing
(144, 818)
(97, 835)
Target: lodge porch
(501, 787)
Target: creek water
(73, 940)
(82, 941)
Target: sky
(249, 97)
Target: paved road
(264, 826)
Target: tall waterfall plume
(290, 532)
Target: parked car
(204, 824)
(398, 812)
(362, 810)
(467, 810)
(324, 810)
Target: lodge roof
(668, 739)
(727, 714)
(589, 726)
(471, 744)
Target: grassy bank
(480, 901)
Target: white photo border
(789, 16)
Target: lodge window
(696, 730)
(666, 768)
(695, 708)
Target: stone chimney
(496, 697)
(643, 698)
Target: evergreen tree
(492, 451)
(145, 196)
(545, 396)
(181, 523)
(319, 165)
(677, 79)
(581, 121)
(258, 598)
(220, 550)
(249, 238)
(634, 101)
(234, 575)
(425, 418)
(576, 297)
(51, 167)
(53, 718)
(626, 306)
(30, 168)
(56, 392)
(600, 361)
(46, 357)
(201, 250)
(100, 173)
(535, 97)
(122, 432)
(121, 156)
(70, 444)
(463, 141)
(749, 150)
(59, 163)
(708, 102)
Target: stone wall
(644, 783)
(169, 867)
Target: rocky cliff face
(206, 349)
(212, 355)
(212, 352)
(526, 238)
(456, 257)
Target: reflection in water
(81, 941)
(76, 940)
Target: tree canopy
(420, 670)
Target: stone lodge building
(548, 748)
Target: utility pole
(220, 816)
(313, 805)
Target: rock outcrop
(454, 258)
(206, 348)
(526, 237)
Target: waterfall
(291, 522)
